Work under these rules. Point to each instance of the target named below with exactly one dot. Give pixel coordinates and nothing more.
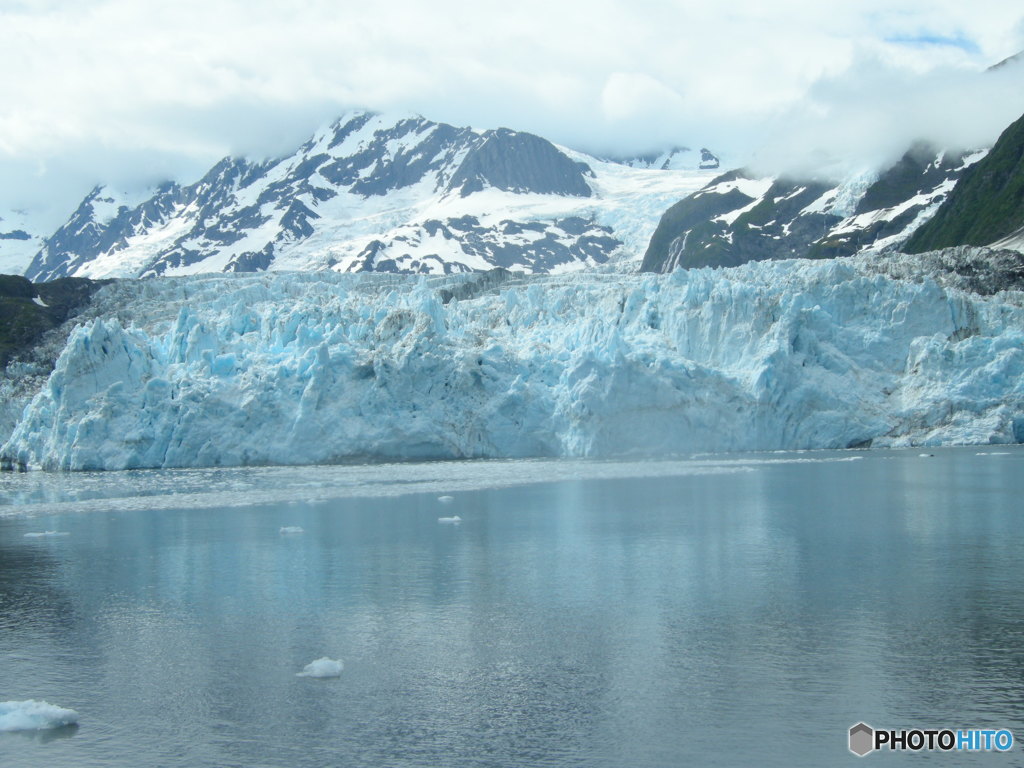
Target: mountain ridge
(372, 192)
(742, 216)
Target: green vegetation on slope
(987, 203)
(27, 310)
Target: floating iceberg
(291, 529)
(45, 534)
(322, 667)
(228, 370)
(34, 715)
(450, 520)
(446, 499)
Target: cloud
(135, 91)
(867, 116)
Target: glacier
(306, 368)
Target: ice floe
(32, 715)
(322, 667)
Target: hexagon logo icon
(862, 739)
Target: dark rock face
(425, 148)
(923, 167)
(987, 203)
(705, 229)
(797, 218)
(694, 214)
(708, 160)
(519, 162)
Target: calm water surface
(729, 611)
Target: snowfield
(227, 370)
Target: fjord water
(743, 610)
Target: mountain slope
(987, 203)
(28, 310)
(372, 193)
(739, 217)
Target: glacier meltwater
(226, 370)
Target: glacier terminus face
(302, 368)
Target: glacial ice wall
(308, 368)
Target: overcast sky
(135, 91)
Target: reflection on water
(713, 612)
(44, 736)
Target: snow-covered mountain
(377, 193)
(740, 217)
(316, 367)
(19, 242)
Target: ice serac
(371, 193)
(305, 368)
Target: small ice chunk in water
(322, 667)
(446, 499)
(926, 455)
(452, 520)
(34, 715)
(287, 529)
(42, 534)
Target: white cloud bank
(130, 93)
